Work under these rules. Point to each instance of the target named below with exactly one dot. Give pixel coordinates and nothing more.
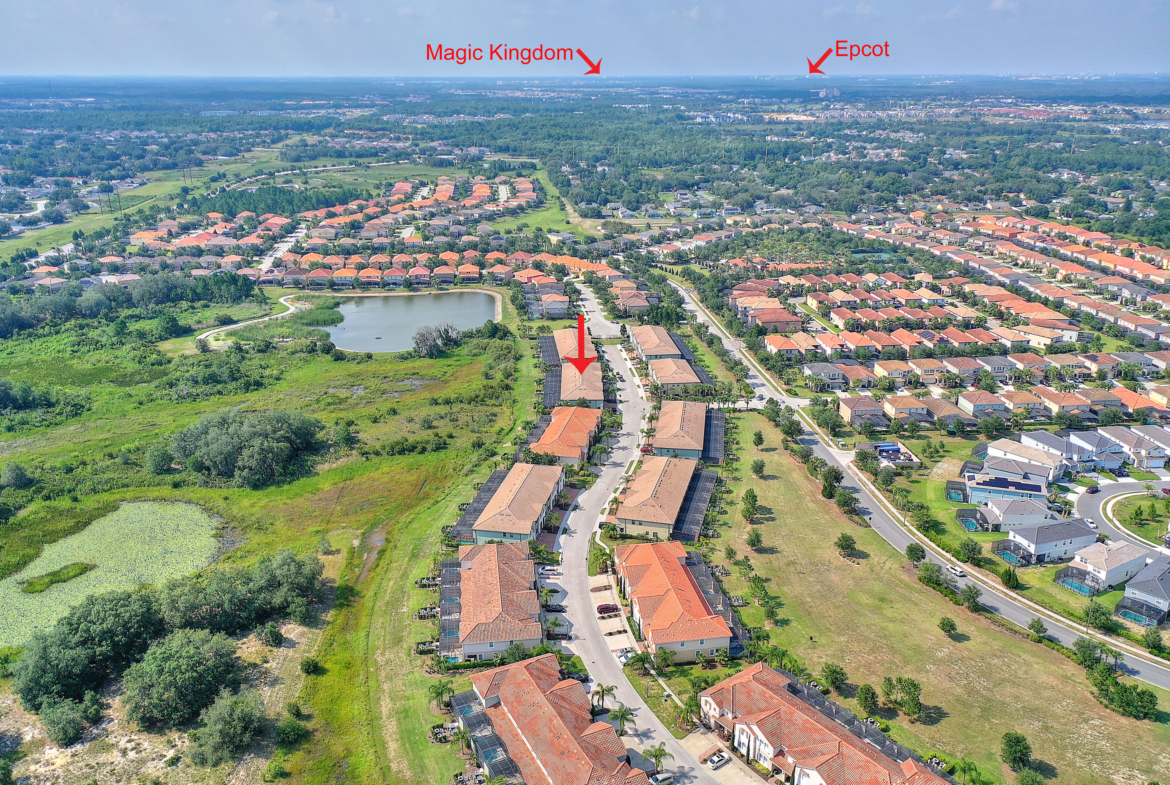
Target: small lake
(388, 323)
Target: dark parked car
(555, 608)
(1092, 489)
(607, 608)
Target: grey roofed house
(1011, 513)
(824, 370)
(1137, 358)
(1015, 469)
(1043, 440)
(1056, 531)
(1156, 434)
(1147, 595)
(944, 411)
(1154, 579)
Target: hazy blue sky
(635, 37)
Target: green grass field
(163, 188)
(369, 709)
(875, 619)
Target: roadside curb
(980, 579)
(1107, 511)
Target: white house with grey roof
(1105, 453)
(1015, 469)
(1006, 448)
(1054, 541)
(1075, 455)
(1158, 435)
(1147, 595)
(1140, 451)
(1005, 514)
(1111, 563)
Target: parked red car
(1093, 489)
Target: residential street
(1003, 604)
(1091, 505)
(588, 641)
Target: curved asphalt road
(1092, 505)
(588, 642)
(994, 599)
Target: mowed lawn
(928, 485)
(876, 620)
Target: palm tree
(440, 691)
(602, 692)
(692, 707)
(623, 716)
(499, 779)
(656, 755)
(463, 737)
(965, 767)
(552, 624)
(546, 595)
(664, 659)
(642, 661)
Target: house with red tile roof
(761, 711)
(395, 276)
(419, 275)
(370, 276)
(498, 604)
(666, 602)
(500, 272)
(570, 434)
(521, 504)
(319, 277)
(344, 277)
(782, 345)
(547, 728)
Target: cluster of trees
(170, 642)
(107, 300)
(1100, 661)
(252, 449)
(282, 201)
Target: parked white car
(718, 760)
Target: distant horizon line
(756, 76)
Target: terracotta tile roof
(672, 371)
(657, 489)
(569, 433)
(575, 385)
(518, 503)
(653, 340)
(546, 725)
(498, 601)
(567, 342)
(680, 426)
(668, 600)
(758, 697)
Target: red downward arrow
(581, 362)
(815, 68)
(594, 68)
